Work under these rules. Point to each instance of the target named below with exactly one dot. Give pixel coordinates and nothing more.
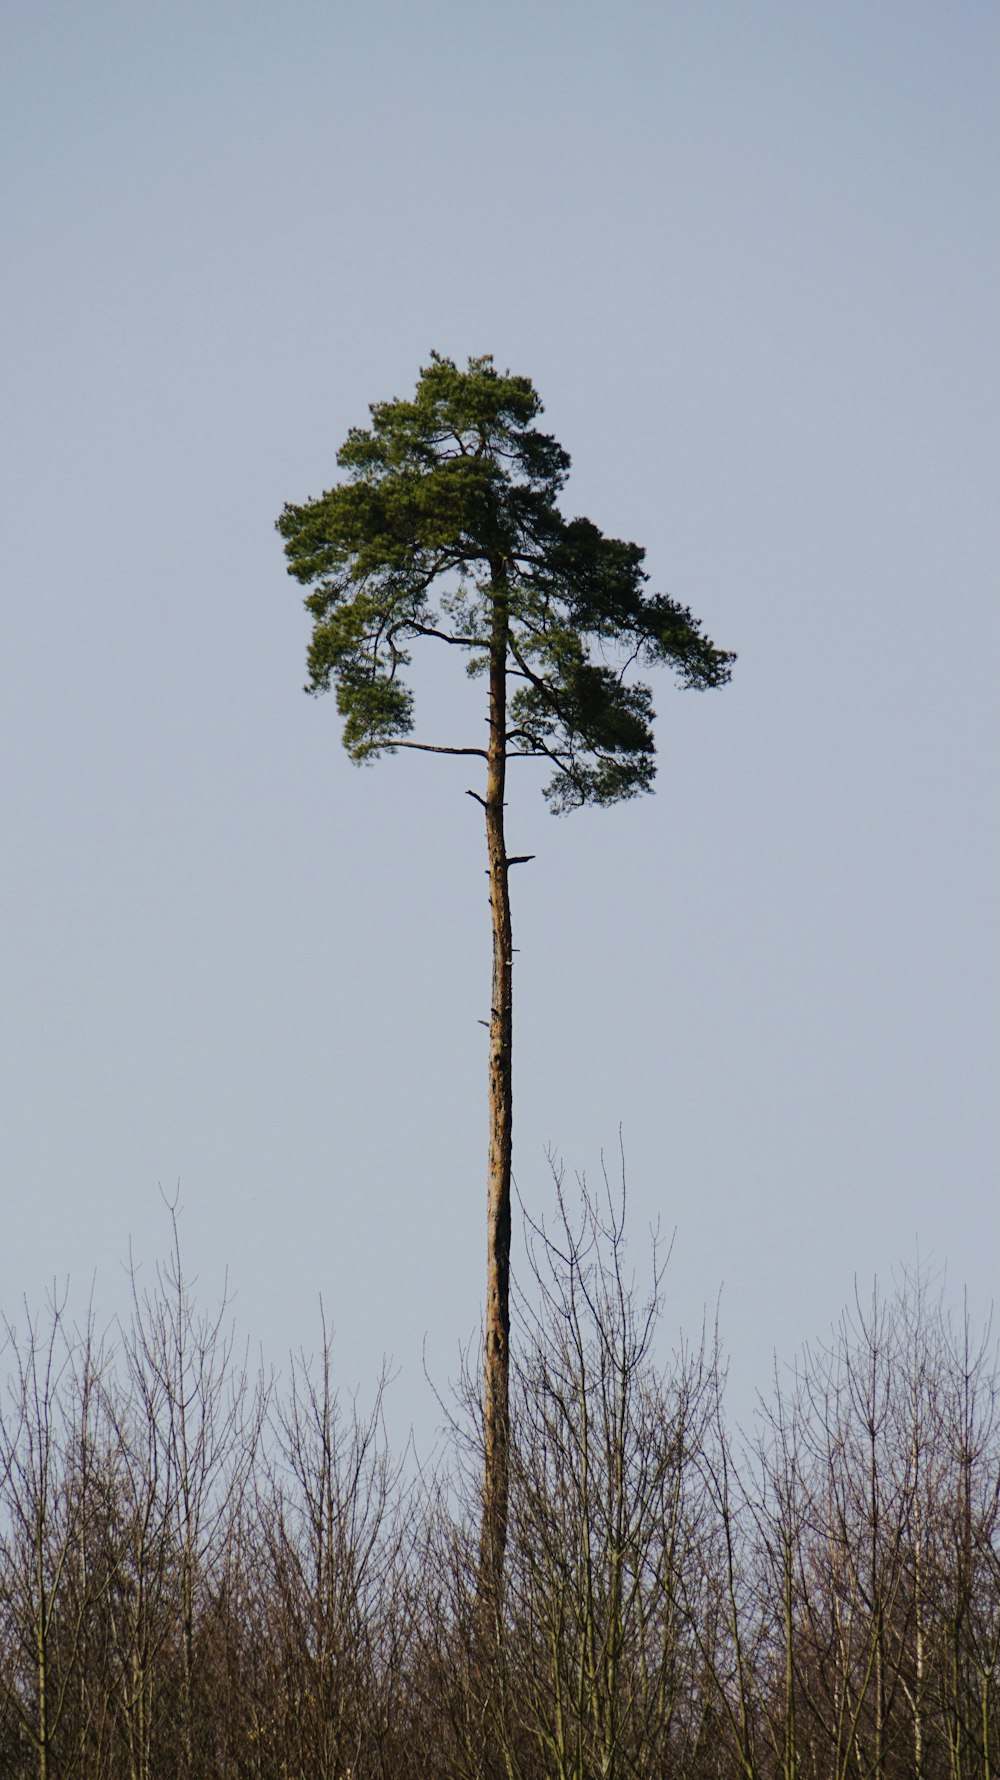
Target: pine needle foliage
(446, 525)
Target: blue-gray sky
(749, 255)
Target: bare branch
(444, 636)
(429, 748)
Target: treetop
(447, 526)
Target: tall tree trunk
(496, 1364)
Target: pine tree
(446, 527)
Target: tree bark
(496, 1359)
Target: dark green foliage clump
(447, 525)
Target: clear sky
(749, 256)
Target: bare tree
(50, 1492)
(605, 1509)
(203, 1422)
(332, 1544)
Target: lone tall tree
(446, 527)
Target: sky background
(749, 256)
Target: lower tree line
(210, 1576)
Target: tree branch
(537, 750)
(430, 748)
(536, 681)
(427, 630)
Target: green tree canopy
(447, 526)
